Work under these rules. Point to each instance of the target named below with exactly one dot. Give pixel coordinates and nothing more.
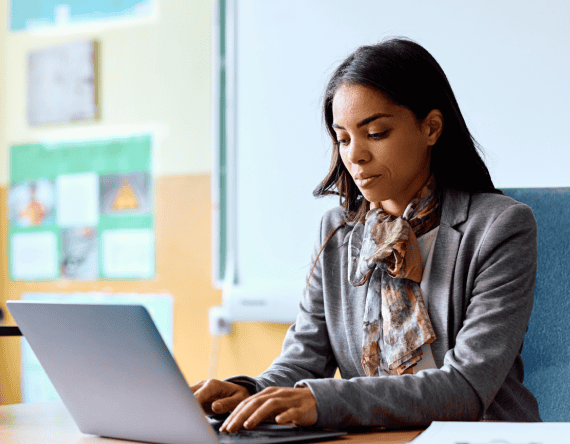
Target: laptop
(118, 379)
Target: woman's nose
(357, 152)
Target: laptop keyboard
(248, 436)
(266, 433)
(268, 436)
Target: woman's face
(384, 147)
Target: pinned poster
(53, 14)
(63, 83)
(125, 193)
(82, 210)
(32, 203)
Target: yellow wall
(155, 76)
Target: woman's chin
(374, 198)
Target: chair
(546, 350)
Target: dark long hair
(409, 76)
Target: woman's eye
(342, 142)
(378, 136)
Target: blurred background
(164, 152)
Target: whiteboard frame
(224, 196)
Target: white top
(427, 241)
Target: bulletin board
(82, 210)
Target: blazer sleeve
(473, 371)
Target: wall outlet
(220, 322)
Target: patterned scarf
(385, 250)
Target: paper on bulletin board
(82, 210)
(36, 386)
(77, 200)
(80, 250)
(42, 14)
(63, 83)
(128, 253)
(34, 255)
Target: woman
(423, 278)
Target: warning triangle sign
(125, 199)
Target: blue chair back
(546, 351)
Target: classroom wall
(155, 76)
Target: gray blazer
(481, 291)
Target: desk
(38, 423)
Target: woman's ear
(432, 126)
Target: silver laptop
(117, 378)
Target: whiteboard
(507, 62)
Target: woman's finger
(197, 386)
(269, 409)
(228, 404)
(235, 421)
(296, 406)
(212, 391)
(207, 391)
(291, 416)
(257, 398)
(243, 412)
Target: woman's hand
(217, 396)
(284, 405)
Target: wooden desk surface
(38, 423)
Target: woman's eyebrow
(365, 121)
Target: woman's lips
(367, 182)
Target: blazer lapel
(455, 208)
(354, 310)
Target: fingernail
(246, 424)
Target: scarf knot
(385, 252)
